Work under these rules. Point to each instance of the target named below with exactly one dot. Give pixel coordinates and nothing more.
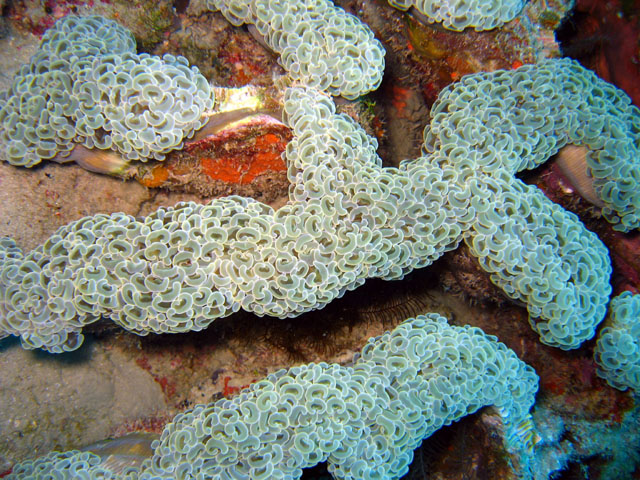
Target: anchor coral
(348, 219)
(459, 14)
(182, 267)
(319, 44)
(617, 351)
(86, 85)
(497, 124)
(365, 420)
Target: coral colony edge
(348, 219)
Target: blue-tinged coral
(182, 267)
(70, 465)
(364, 420)
(348, 219)
(460, 14)
(87, 85)
(617, 351)
(518, 119)
(497, 124)
(320, 45)
(542, 255)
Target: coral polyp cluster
(617, 351)
(182, 267)
(349, 219)
(87, 85)
(364, 420)
(320, 45)
(457, 15)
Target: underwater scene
(306, 239)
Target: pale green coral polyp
(168, 280)
(364, 420)
(348, 219)
(87, 85)
(617, 352)
(460, 14)
(320, 45)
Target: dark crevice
(181, 5)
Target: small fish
(236, 106)
(219, 121)
(95, 160)
(128, 451)
(572, 161)
(423, 19)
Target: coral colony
(364, 420)
(457, 15)
(86, 85)
(347, 219)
